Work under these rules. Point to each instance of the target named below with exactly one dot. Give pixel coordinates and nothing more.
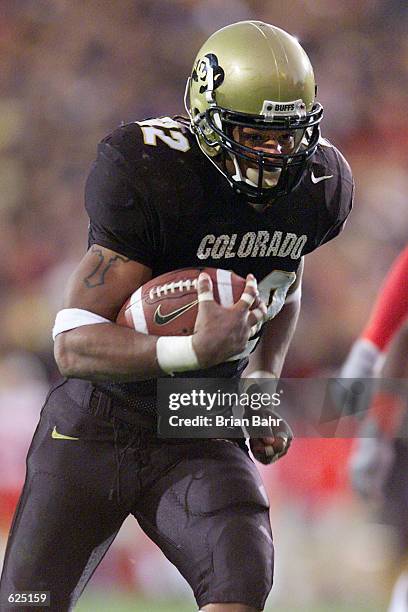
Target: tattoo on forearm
(98, 274)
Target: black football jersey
(154, 197)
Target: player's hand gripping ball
(168, 304)
(271, 448)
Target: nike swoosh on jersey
(161, 319)
(317, 179)
(58, 436)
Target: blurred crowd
(70, 71)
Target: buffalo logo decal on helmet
(209, 72)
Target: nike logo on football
(58, 436)
(162, 319)
(317, 179)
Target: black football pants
(202, 502)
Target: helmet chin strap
(252, 174)
(238, 174)
(269, 179)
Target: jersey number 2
(273, 289)
(167, 131)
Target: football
(167, 305)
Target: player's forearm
(367, 354)
(391, 306)
(388, 407)
(106, 352)
(270, 355)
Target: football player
(379, 460)
(246, 183)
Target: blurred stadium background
(72, 70)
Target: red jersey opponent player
(379, 462)
(247, 184)
(389, 313)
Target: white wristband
(70, 318)
(176, 354)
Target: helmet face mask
(291, 165)
(228, 101)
